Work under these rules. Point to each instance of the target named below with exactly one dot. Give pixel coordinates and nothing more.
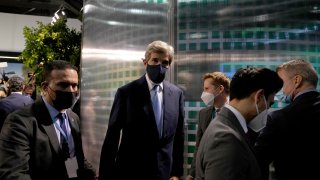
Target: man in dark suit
(224, 151)
(42, 141)
(291, 137)
(216, 87)
(151, 144)
(15, 100)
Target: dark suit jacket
(224, 152)
(141, 154)
(11, 103)
(291, 140)
(29, 146)
(205, 117)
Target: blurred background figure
(15, 98)
(88, 118)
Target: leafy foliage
(48, 42)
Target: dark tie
(63, 140)
(156, 104)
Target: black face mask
(64, 99)
(156, 73)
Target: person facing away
(15, 100)
(290, 139)
(216, 88)
(42, 141)
(150, 114)
(225, 152)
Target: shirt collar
(305, 91)
(16, 93)
(239, 116)
(52, 111)
(151, 84)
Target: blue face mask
(281, 97)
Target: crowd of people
(237, 138)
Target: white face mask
(260, 121)
(207, 98)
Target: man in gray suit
(215, 95)
(225, 152)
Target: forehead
(208, 82)
(162, 56)
(283, 75)
(66, 75)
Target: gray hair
(300, 67)
(15, 83)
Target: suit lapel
(145, 97)
(167, 93)
(43, 117)
(236, 125)
(208, 115)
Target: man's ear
(44, 85)
(297, 81)
(144, 61)
(259, 95)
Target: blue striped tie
(156, 104)
(63, 141)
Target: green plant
(48, 42)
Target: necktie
(63, 136)
(156, 104)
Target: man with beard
(149, 112)
(43, 140)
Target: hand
(174, 178)
(189, 177)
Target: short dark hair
(15, 83)
(248, 80)
(56, 65)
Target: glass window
(227, 45)
(215, 34)
(182, 36)
(226, 34)
(249, 45)
(182, 47)
(192, 46)
(203, 46)
(215, 45)
(272, 35)
(248, 34)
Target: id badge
(72, 166)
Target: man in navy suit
(291, 137)
(140, 143)
(15, 100)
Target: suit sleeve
(224, 158)
(15, 148)
(263, 146)
(178, 146)
(111, 142)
